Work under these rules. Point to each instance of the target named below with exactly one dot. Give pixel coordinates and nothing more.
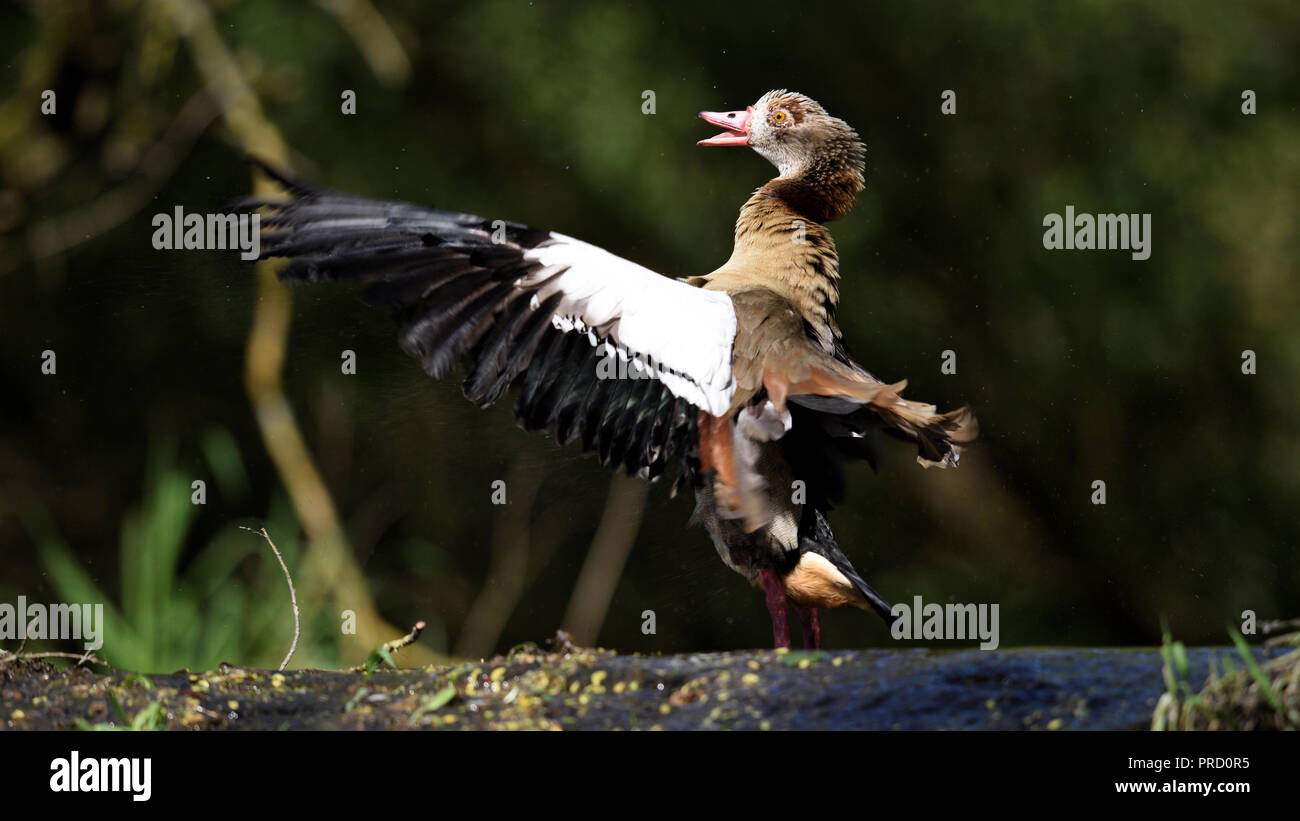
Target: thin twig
(293, 596)
(6, 657)
(407, 640)
(396, 644)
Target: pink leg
(812, 627)
(775, 595)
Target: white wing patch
(682, 334)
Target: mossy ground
(1245, 694)
(579, 688)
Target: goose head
(791, 130)
(813, 152)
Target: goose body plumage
(737, 382)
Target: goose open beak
(736, 124)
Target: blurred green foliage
(228, 602)
(1081, 365)
(1250, 698)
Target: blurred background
(183, 366)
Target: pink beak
(736, 124)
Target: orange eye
(780, 117)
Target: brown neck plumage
(825, 189)
(781, 244)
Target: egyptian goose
(738, 381)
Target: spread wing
(603, 349)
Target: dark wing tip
(290, 183)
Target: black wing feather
(455, 292)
